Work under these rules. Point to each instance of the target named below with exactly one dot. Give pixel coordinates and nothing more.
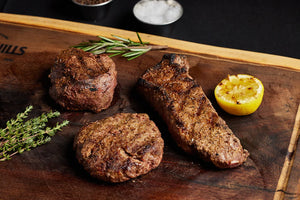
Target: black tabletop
(266, 26)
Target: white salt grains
(158, 12)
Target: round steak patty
(83, 81)
(120, 147)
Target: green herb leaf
(19, 136)
(118, 46)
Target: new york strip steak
(191, 119)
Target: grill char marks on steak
(83, 81)
(191, 119)
(120, 147)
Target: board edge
(190, 47)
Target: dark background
(256, 25)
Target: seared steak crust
(192, 121)
(119, 147)
(83, 81)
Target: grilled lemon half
(239, 94)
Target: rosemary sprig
(118, 46)
(20, 136)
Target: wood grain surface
(52, 172)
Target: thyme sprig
(118, 46)
(20, 135)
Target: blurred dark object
(93, 12)
(90, 2)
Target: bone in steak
(191, 119)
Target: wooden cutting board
(52, 172)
